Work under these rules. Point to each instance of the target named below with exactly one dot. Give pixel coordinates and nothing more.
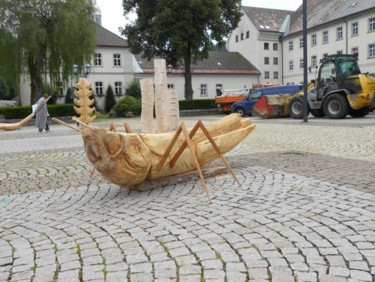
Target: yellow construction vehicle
(340, 89)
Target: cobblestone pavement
(305, 210)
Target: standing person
(42, 113)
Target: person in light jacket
(42, 113)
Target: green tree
(9, 64)
(69, 96)
(181, 31)
(110, 100)
(134, 89)
(48, 37)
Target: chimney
(98, 19)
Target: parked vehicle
(245, 107)
(340, 90)
(225, 98)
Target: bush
(7, 91)
(53, 91)
(128, 104)
(134, 89)
(109, 100)
(23, 111)
(69, 96)
(199, 104)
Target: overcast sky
(113, 18)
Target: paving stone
(272, 227)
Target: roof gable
(266, 19)
(217, 62)
(324, 11)
(106, 38)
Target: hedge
(23, 111)
(201, 104)
(60, 110)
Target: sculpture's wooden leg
(127, 128)
(187, 142)
(197, 166)
(183, 145)
(217, 149)
(169, 149)
(200, 125)
(92, 173)
(113, 128)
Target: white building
(115, 65)
(221, 70)
(335, 26)
(257, 38)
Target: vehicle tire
(318, 113)
(295, 107)
(336, 106)
(240, 111)
(359, 113)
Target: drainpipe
(305, 106)
(347, 33)
(282, 62)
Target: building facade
(114, 65)
(336, 26)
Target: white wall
(108, 73)
(252, 48)
(360, 41)
(231, 81)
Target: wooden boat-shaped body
(128, 159)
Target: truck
(225, 98)
(245, 106)
(340, 89)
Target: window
(236, 38)
(314, 61)
(325, 37)
(301, 63)
(170, 86)
(355, 50)
(339, 33)
(266, 74)
(266, 46)
(203, 90)
(291, 65)
(98, 59)
(118, 88)
(99, 88)
(241, 36)
(275, 75)
(355, 30)
(290, 45)
(275, 61)
(371, 50)
(339, 52)
(247, 34)
(266, 60)
(371, 23)
(326, 71)
(117, 60)
(301, 42)
(219, 87)
(313, 39)
(275, 46)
